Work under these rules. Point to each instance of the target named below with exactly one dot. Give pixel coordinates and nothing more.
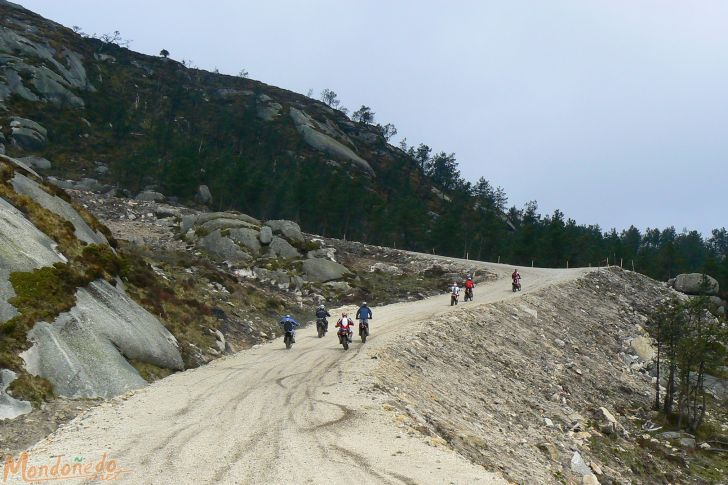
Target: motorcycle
(363, 330)
(454, 299)
(516, 286)
(468, 294)
(321, 327)
(344, 337)
(288, 339)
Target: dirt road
(311, 414)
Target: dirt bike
(321, 327)
(363, 330)
(468, 294)
(288, 339)
(516, 286)
(454, 298)
(344, 337)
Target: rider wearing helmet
(345, 323)
(321, 314)
(289, 325)
(455, 289)
(364, 312)
(469, 285)
(516, 276)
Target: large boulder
(642, 346)
(25, 186)
(246, 237)
(328, 253)
(22, 248)
(38, 163)
(607, 422)
(223, 247)
(83, 352)
(86, 184)
(309, 129)
(223, 223)
(53, 87)
(268, 109)
(10, 407)
(692, 284)
(717, 386)
(323, 270)
(150, 196)
(204, 196)
(14, 82)
(288, 229)
(266, 235)
(188, 222)
(52, 74)
(27, 134)
(280, 248)
(17, 163)
(386, 268)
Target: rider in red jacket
(516, 278)
(345, 323)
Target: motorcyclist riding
(364, 312)
(469, 285)
(454, 294)
(516, 276)
(289, 325)
(345, 323)
(321, 314)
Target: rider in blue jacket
(289, 325)
(364, 312)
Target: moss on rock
(31, 388)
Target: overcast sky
(614, 111)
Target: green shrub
(6, 173)
(43, 293)
(306, 245)
(32, 388)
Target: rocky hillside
(556, 388)
(106, 117)
(67, 325)
(88, 313)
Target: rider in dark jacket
(322, 313)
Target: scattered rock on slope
(27, 134)
(288, 229)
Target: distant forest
(472, 227)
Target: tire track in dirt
(271, 415)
